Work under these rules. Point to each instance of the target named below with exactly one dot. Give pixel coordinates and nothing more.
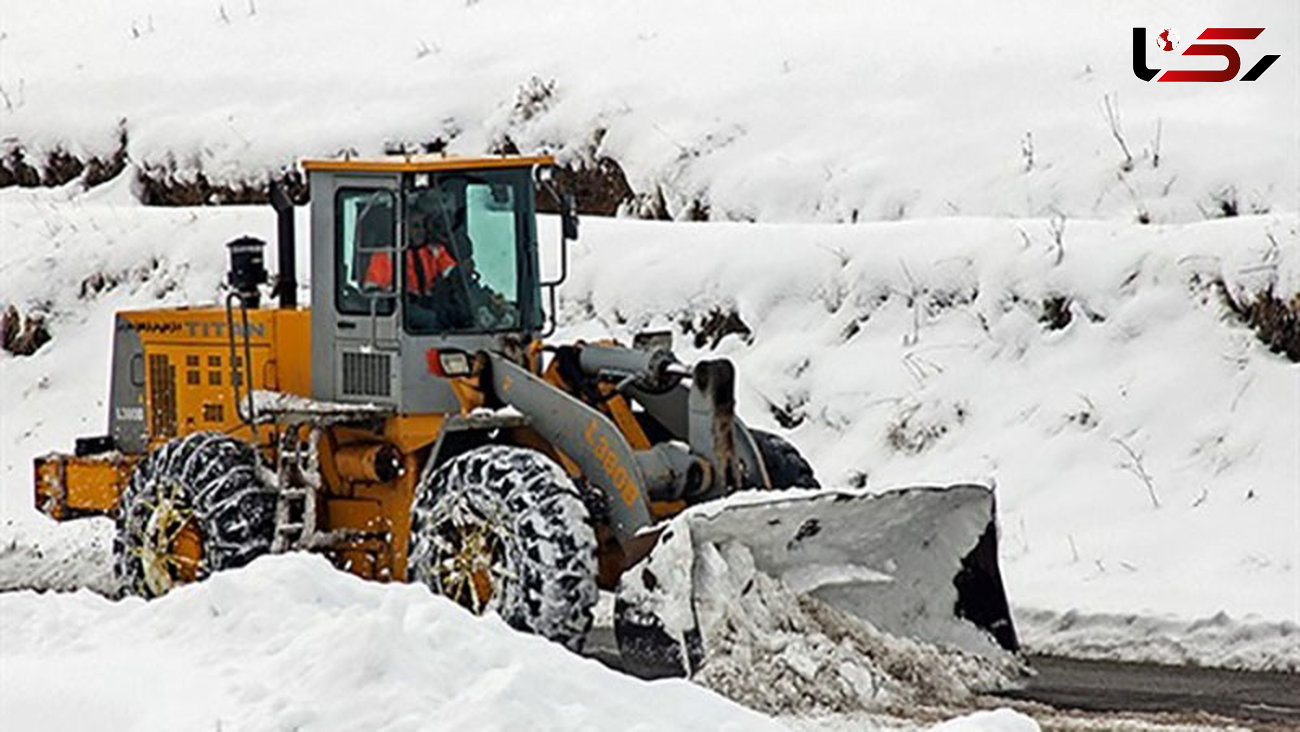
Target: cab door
(355, 269)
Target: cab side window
(490, 213)
(365, 237)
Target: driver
(427, 261)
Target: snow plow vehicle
(413, 424)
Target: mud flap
(916, 562)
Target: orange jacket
(424, 265)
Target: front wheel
(194, 506)
(504, 529)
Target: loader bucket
(916, 562)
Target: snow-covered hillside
(765, 109)
(901, 353)
(1144, 444)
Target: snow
(1218, 640)
(762, 110)
(1150, 360)
(889, 558)
(787, 654)
(272, 405)
(915, 354)
(988, 721)
(1144, 454)
(289, 642)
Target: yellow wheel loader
(414, 425)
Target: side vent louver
(162, 393)
(367, 374)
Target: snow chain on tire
(206, 484)
(503, 528)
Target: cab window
(467, 258)
(491, 218)
(365, 236)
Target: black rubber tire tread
(786, 467)
(550, 543)
(647, 651)
(220, 480)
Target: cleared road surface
(1098, 686)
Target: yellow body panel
(187, 354)
(382, 511)
(411, 432)
(68, 487)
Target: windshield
(468, 253)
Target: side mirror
(568, 232)
(569, 218)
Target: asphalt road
(1110, 686)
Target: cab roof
(424, 163)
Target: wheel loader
(414, 424)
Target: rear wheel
(194, 506)
(786, 467)
(503, 528)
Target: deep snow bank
(768, 110)
(929, 351)
(291, 643)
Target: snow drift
(292, 643)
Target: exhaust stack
(246, 269)
(287, 284)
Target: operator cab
(420, 253)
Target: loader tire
(503, 528)
(648, 651)
(785, 466)
(194, 506)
